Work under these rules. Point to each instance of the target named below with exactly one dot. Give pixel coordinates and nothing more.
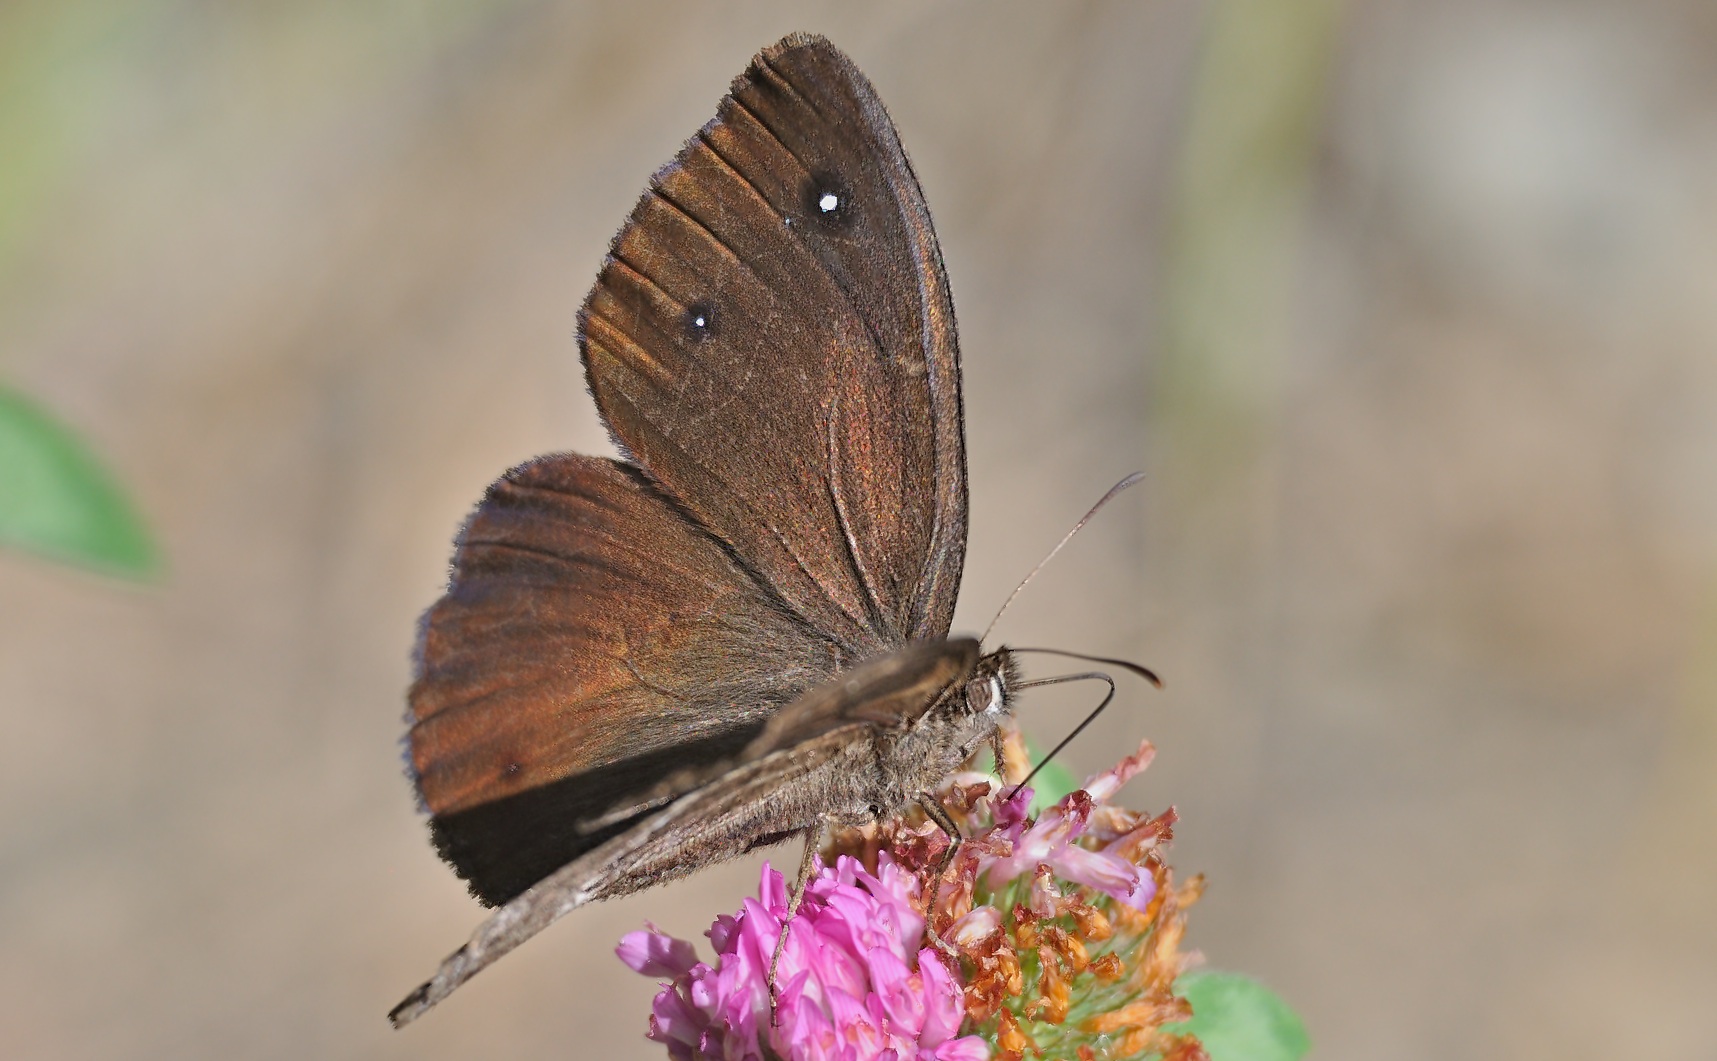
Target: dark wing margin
(814, 758)
(772, 339)
(592, 640)
(746, 808)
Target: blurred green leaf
(56, 499)
(1239, 1019)
(1052, 782)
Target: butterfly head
(986, 701)
(990, 688)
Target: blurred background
(1408, 307)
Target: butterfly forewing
(771, 337)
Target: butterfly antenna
(1053, 752)
(1077, 527)
(1099, 676)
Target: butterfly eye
(827, 201)
(700, 322)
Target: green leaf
(56, 499)
(1239, 1019)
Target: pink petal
(759, 932)
(723, 932)
(1142, 896)
(1012, 811)
(971, 1048)
(739, 1034)
(805, 1029)
(849, 990)
(656, 953)
(860, 924)
(1050, 834)
(898, 990)
(824, 948)
(1106, 784)
(1066, 820)
(672, 1019)
(976, 926)
(851, 1018)
(772, 890)
(1044, 893)
(944, 1006)
(1110, 874)
(881, 1032)
(705, 991)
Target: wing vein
(773, 135)
(739, 497)
(767, 63)
(726, 248)
(879, 348)
(872, 602)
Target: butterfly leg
(806, 861)
(938, 814)
(944, 821)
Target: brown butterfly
(739, 633)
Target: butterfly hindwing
(814, 760)
(592, 640)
